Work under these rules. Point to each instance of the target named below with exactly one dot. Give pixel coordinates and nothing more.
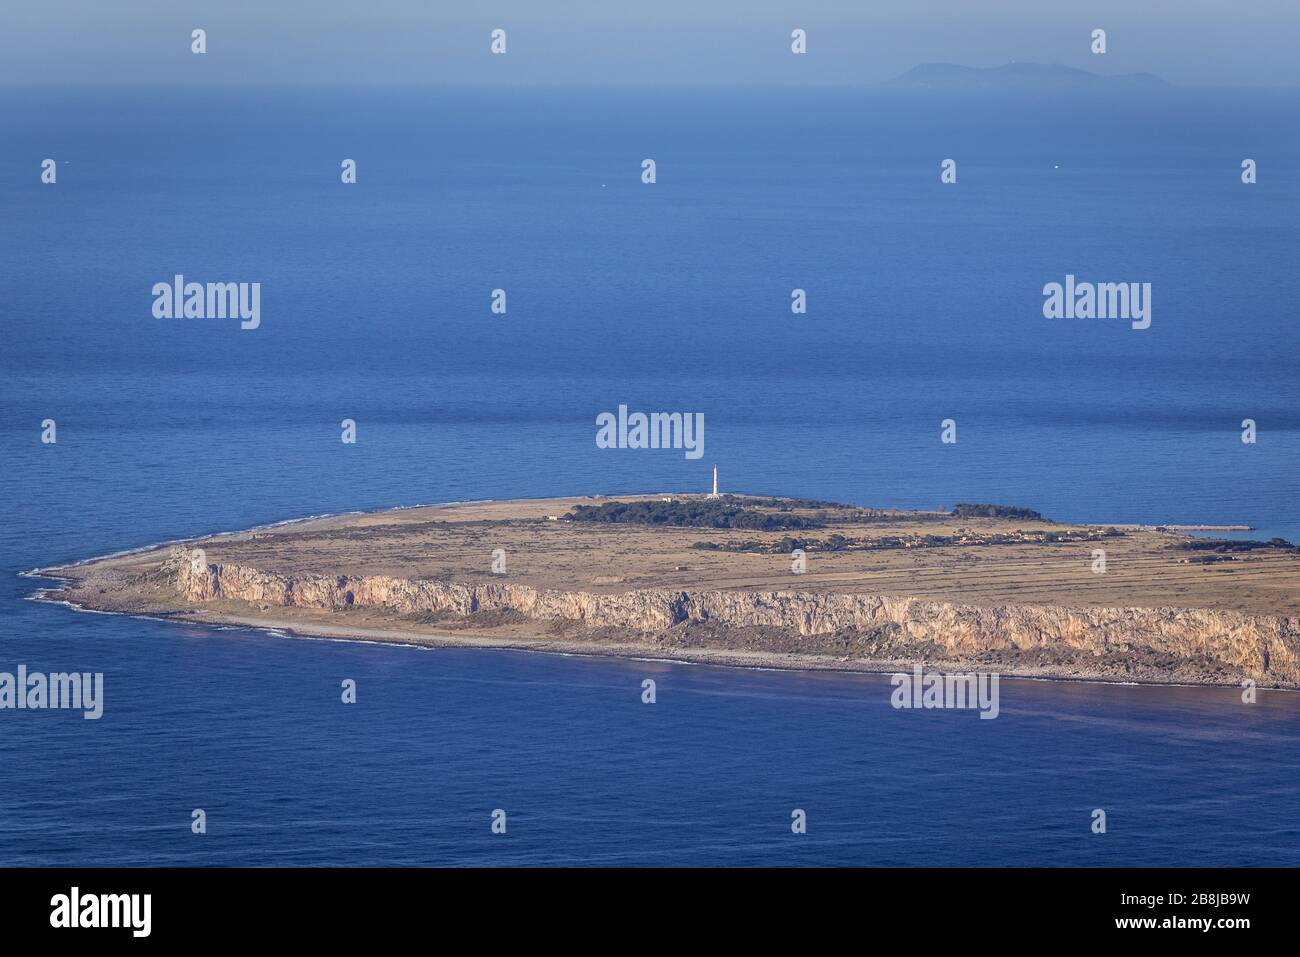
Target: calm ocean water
(924, 304)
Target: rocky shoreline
(778, 629)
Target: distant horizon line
(882, 86)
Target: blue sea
(924, 304)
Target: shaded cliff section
(1217, 644)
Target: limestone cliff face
(1261, 646)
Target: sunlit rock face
(1266, 647)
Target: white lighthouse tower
(714, 494)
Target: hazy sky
(1233, 42)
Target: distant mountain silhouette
(1022, 77)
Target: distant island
(1021, 77)
(742, 580)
